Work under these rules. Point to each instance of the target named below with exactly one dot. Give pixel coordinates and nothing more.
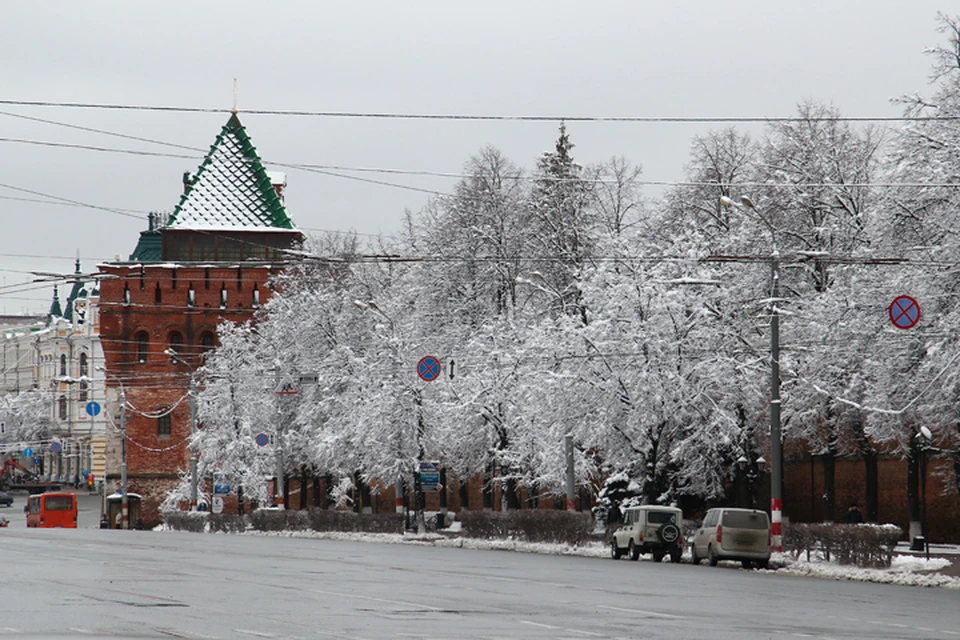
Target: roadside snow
(907, 569)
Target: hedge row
(531, 525)
(864, 545)
(277, 520)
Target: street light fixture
(747, 206)
(192, 393)
(124, 500)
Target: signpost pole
(124, 500)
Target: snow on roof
(231, 189)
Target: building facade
(53, 391)
(208, 262)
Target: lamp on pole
(124, 500)
(776, 445)
(192, 393)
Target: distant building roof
(231, 190)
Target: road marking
(355, 596)
(259, 634)
(656, 614)
(565, 629)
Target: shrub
(331, 520)
(864, 545)
(193, 521)
(533, 525)
(272, 519)
(220, 523)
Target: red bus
(52, 510)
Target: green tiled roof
(148, 248)
(231, 190)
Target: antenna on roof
(234, 110)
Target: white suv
(649, 529)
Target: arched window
(176, 344)
(63, 364)
(207, 341)
(84, 365)
(62, 405)
(142, 347)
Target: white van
(733, 534)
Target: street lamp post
(776, 445)
(124, 500)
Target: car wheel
(763, 564)
(712, 556)
(746, 564)
(658, 555)
(675, 555)
(693, 554)
(615, 552)
(634, 551)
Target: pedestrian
(853, 515)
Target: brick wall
(145, 310)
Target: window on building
(84, 391)
(223, 296)
(142, 347)
(163, 425)
(62, 406)
(126, 294)
(176, 344)
(191, 296)
(157, 295)
(256, 297)
(207, 341)
(84, 365)
(63, 364)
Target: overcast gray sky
(527, 58)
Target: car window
(745, 520)
(661, 517)
(711, 519)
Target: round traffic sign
(55, 447)
(93, 408)
(904, 312)
(262, 439)
(428, 368)
(28, 453)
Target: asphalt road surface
(90, 582)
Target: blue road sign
(428, 368)
(262, 439)
(55, 447)
(430, 476)
(36, 462)
(904, 312)
(28, 453)
(93, 408)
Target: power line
(384, 115)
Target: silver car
(727, 533)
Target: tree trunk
(913, 490)
(872, 480)
(829, 461)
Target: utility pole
(278, 444)
(776, 443)
(568, 446)
(193, 446)
(124, 500)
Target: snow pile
(907, 570)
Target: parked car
(649, 529)
(6, 499)
(733, 534)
